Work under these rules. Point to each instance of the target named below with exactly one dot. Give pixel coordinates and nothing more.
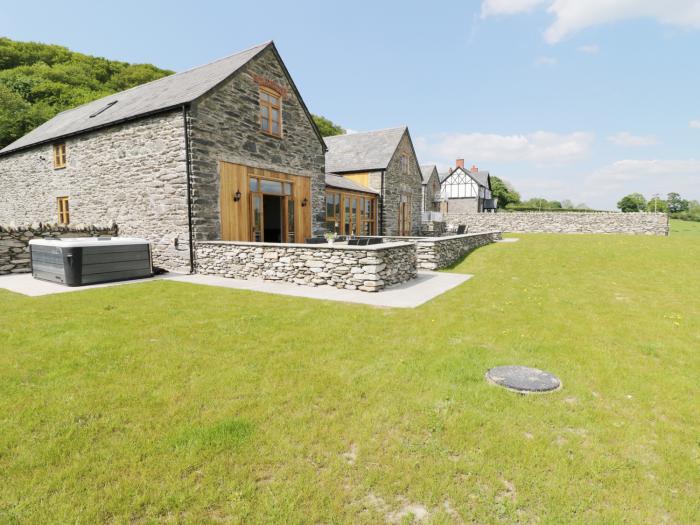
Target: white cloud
(625, 138)
(694, 124)
(540, 147)
(647, 177)
(546, 61)
(507, 7)
(590, 49)
(572, 16)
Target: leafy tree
(675, 203)
(656, 203)
(326, 127)
(37, 81)
(504, 192)
(632, 202)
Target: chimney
(460, 163)
(474, 168)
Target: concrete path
(427, 286)
(508, 239)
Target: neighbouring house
(383, 162)
(466, 191)
(225, 151)
(430, 195)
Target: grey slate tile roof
(480, 177)
(367, 151)
(336, 181)
(426, 171)
(165, 93)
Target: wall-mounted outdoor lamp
(237, 196)
(304, 203)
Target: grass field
(171, 402)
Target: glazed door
(352, 215)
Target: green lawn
(177, 403)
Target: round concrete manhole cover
(523, 379)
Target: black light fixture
(304, 203)
(237, 196)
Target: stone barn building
(383, 162)
(225, 151)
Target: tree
(37, 81)
(632, 202)
(327, 128)
(504, 192)
(675, 203)
(657, 204)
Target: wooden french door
(405, 215)
(242, 196)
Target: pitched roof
(153, 97)
(426, 171)
(482, 178)
(367, 151)
(336, 181)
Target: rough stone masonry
(366, 268)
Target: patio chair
(316, 240)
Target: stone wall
(132, 174)
(564, 222)
(436, 253)
(397, 183)
(366, 268)
(430, 190)
(14, 242)
(224, 126)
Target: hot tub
(77, 261)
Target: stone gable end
(397, 183)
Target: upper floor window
(63, 212)
(270, 112)
(59, 155)
(404, 163)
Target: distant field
(167, 402)
(685, 228)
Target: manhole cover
(523, 379)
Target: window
(404, 163)
(59, 155)
(63, 213)
(332, 211)
(350, 213)
(270, 112)
(405, 214)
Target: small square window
(59, 155)
(63, 211)
(270, 112)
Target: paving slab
(25, 284)
(508, 239)
(411, 294)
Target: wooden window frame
(63, 210)
(403, 162)
(59, 155)
(359, 220)
(270, 107)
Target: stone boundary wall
(436, 253)
(564, 222)
(366, 268)
(14, 242)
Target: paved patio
(411, 294)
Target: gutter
(189, 185)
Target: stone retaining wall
(564, 222)
(366, 268)
(14, 242)
(436, 253)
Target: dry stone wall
(436, 253)
(564, 222)
(369, 269)
(14, 242)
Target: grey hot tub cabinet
(89, 260)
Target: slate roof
(426, 171)
(480, 177)
(369, 151)
(336, 181)
(153, 97)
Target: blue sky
(564, 99)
